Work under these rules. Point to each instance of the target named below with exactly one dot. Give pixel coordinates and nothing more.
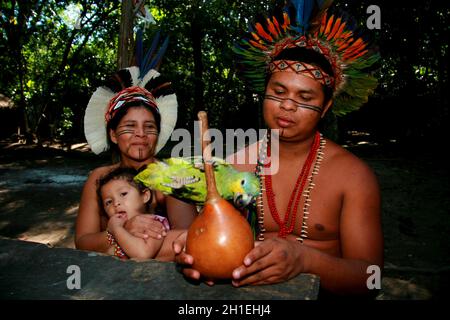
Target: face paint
(127, 129)
(151, 131)
(296, 103)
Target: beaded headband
(305, 69)
(128, 95)
(308, 24)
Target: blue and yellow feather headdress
(309, 24)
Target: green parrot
(184, 178)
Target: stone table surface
(31, 270)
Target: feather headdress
(309, 24)
(142, 83)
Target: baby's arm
(166, 252)
(133, 246)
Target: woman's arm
(88, 233)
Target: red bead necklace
(287, 225)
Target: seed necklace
(287, 225)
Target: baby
(122, 198)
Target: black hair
(120, 173)
(307, 56)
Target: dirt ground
(40, 189)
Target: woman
(134, 115)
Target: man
(319, 212)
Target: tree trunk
(17, 41)
(199, 86)
(125, 53)
(22, 104)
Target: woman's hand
(271, 261)
(145, 226)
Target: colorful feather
(303, 9)
(152, 58)
(158, 58)
(334, 34)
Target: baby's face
(118, 196)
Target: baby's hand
(117, 220)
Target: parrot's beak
(241, 200)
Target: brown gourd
(220, 237)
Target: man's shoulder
(343, 161)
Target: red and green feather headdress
(308, 24)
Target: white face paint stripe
(121, 132)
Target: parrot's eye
(242, 182)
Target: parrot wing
(184, 179)
(176, 177)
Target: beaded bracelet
(118, 251)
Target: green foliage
(410, 101)
(50, 68)
(216, 25)
(53, 65)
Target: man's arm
(277, 260)
(180, 213)
(361, 236)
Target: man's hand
(271, 261)
(185, 261)
(145, 226)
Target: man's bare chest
(312, 211)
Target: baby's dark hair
(120, 173)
